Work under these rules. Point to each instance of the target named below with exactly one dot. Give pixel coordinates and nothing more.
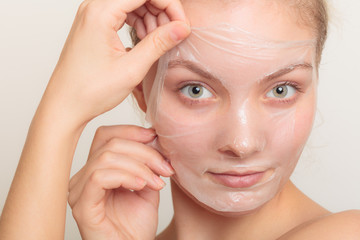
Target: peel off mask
(232, 112)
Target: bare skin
(119, 161)
(288, 209)
(93, 75)
(294, 216)
(290, 214)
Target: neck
(191, 221)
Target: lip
(237, 180)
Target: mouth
(237, 180)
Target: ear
(143, 89)
(139, 93)
(139, 96)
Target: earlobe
(139, 95)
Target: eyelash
(295, 85)
(191, 101)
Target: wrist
(42, 176)
(56, 110)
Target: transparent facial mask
(232, 140)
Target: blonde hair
(314, 14)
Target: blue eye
(196, 91)
(281, 91)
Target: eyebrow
(193, 67)
(286, 70)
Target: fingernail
(168, 168)
(180, 32)
(150, 132)
(159, 181)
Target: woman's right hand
(95, 72)
(116, 194)
(93, 75)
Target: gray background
(31, 38)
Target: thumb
(157, 43)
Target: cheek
(303, 126)
(288, 143)
(192, 145)
(304, 119)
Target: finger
(113, 160)
(153, 46)
(154, 10)
(120, 162)
(138, 151)
(162, 19)
(173, 8)
(138, 23)
(150, 22)
(130, 132)
(114, 12)
(149, 15)
(141, 11)
(107, 179)
(150, 196)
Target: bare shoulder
(342, 225)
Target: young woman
(116, 194)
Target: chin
(196, 204)
(231, 214)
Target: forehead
(270, 19)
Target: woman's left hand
(116, 194)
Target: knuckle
(113, 143)
(141, 166)
(143, 169)
(153, 157)
(105, 158)
(96, 177)
(100, 131)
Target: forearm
(36, 204)
(94, 74)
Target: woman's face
(233, 113)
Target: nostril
(242, 145)
(240, 151)
(230, 153)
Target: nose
(244, 134)
(242, 147)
